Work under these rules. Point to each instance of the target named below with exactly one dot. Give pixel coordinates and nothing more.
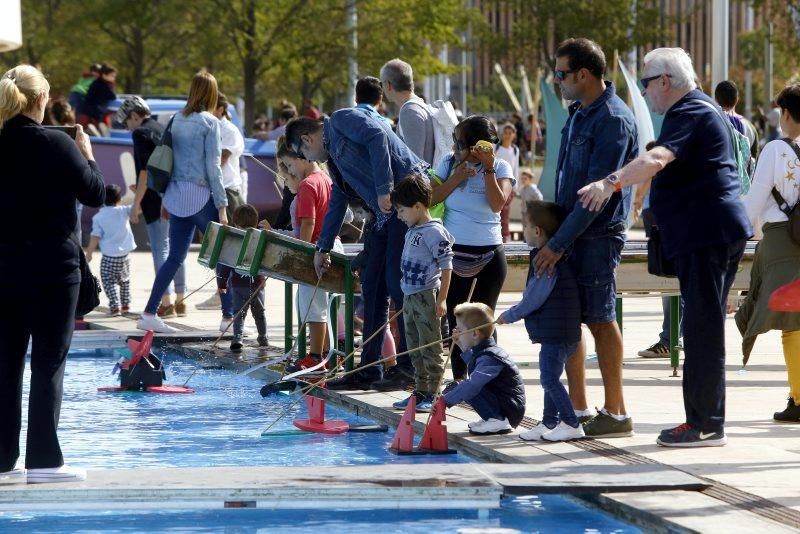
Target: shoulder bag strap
(166, 137)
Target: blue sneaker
(686, 436)
(425, 405)
(403, 404)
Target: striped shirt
(184, 199)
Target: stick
(436, 394)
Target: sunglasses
(562, 74)
(646, 81)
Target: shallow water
(219, 425)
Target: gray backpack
(159, 165)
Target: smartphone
(71, 131)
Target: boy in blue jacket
(494, 388)
(552, 312)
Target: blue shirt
(536, 293)
(695, 199)
(426, 253)
(196, 153)
(468, 215)
(595, 142)
(365, 159)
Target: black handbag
(89, 292)
(657, 262)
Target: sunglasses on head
(562, 74)
(646, 81)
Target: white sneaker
(475, 423)
(535, 433)
(65, 473)
(18, 475)
(563, 432)
(225, 324)
(154, 323)
(492, 426)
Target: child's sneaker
(425, 405)
(307, 362)
(225, 324)
(65, 473)
(492, 426)
(402, 404)
(126, 309)
(236, 345)
(154, 323)
(564, 432)
(473, 423)
(115, 313)
(263, 341)
(535, 434)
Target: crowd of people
(444, 273)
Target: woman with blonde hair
(44, 173)
(195, 195)
(774, 191)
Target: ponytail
(20, 90)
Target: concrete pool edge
(497, 450)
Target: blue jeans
(705, 277)
(158, 233)
(181, 232)
(226, 299)
(667, 308)
(380, 280)
(557, 406)
(486, 405)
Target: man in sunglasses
(365, 159)
(703, 227)
(599, 138)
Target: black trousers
(487, 291)
(44, 313)
(706, 276)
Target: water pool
(219, 425)
(549, 513)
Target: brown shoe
(165, 311)
(180, 309)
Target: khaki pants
(423, 327)
(234, 201)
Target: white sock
(584, 413)
(617, 416)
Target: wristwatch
(613, 179)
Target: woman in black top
(44, 173)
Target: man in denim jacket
(365, 158)
(599, 138)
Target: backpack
(793, 213)
(444, 124)
(741, 150)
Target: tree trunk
(250, 79)
(138, 62)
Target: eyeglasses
(646, 81)
(561, 74)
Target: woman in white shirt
(777, 259)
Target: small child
(111, 230)
(242, 286)
(527, 190)
(425, 269)
(552, 312)
(494, 388)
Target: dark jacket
(558, 320)
(43, 174)
(98, 97)
(506, 383)
(145, 139)
(595, 142)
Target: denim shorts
(594, 261)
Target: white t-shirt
(112, 227)
(231, 139)
(778, 166)
(468, 216)
(510, 155)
